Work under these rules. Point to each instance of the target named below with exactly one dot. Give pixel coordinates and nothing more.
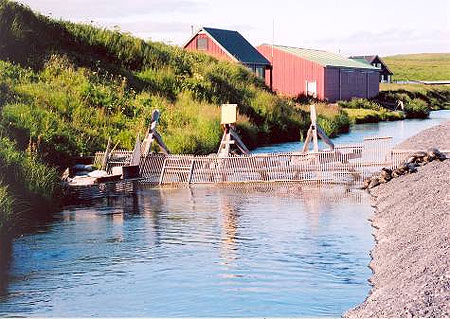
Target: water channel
(260, 250)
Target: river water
(261, 250)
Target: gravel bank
(411, 258)
(437, 136)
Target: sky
(349, 27)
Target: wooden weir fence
(348, 164)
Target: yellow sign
(229, 113)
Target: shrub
(417, 108)
(358, 116)
(359, 103)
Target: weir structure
(348, 164)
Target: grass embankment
(367, 111)
(28, 188)
(105, 83)
(418, 100)
(437, 97)
(415, 67)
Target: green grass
(29, 189)
(6, 209)
(436, 97)
(359, 103)
(426, 66)
(78, 70)
(358, 116)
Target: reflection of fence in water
(344, 164)
(310, 193)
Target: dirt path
(411, 258)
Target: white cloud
(351, 26)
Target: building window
(260, 72)
(202, 43)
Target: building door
(311, 88)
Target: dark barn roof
(368, 58)
(236, 45)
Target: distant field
(419, 88)
(426, 66)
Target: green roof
(325, 58)
(361, 60)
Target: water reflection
(5, 260)
(253, 250)
(230, 222)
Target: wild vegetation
(373, 110)
(426, 66)
(358, 116)
(435, 96)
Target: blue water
(264, 250)
(207, 251)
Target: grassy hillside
(77, 71)
(426, 66)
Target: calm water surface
(251, 251)
(207, 251)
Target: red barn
(229, 45)
(322, 74)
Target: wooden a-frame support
(153, 135)
(313, 132)
(229, 138)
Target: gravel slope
(437, 136)
(411, 258)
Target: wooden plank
(324, 137)
(106, 156)
(307, 140)
(162, 172)
(239, 144)
(314, 128)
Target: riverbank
(410, 260)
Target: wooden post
(191, 171)
(229, 117)
(314, 131)
(106, 157)
(152, 135)
(271, 78)
(136, 156)
(314, 127)
(307, 140)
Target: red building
(229, 45)
(322, 74)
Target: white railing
(344, 164)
